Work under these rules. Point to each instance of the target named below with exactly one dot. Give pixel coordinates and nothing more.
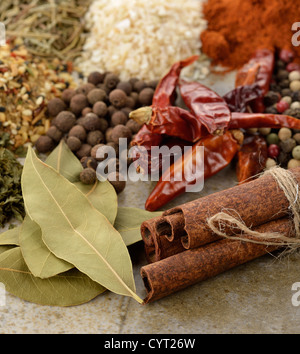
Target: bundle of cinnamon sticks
(182, 249)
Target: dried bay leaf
(128, 223)
(74, 230)
(65, 162)
(102, 196)
(67, 289)
(41, 262)
(10, 237)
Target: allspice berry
(108, 134)
(94, 151)
(95, 137)
(88, 176)
(79, 132)
(130, 102)
(85, 150)
(89, 162)
(100, 108)
(86, 110)
(117, 181)
(120, 131)
(111, 110)
(44, 144)
(65, 121)
(118, 117)
(114, 146)
(96, 78)
(85, 88)
(101, 152)
(78, 103)
(146, 96)
(96, 95)
(73, 143)
(103, 125)
(133, 126)
(55, 106)
(139, 85)
(54, 133)
(118, 98)
(91, 122)
(67, 95)
(111, 81)
(125, 86)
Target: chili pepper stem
(142, 115)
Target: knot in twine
(289, 185)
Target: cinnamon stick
(192, 266)
(156, 247)
(255, 202)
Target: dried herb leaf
(41, 262)
(75, 231)
(128, 223)
(11, 200)
(68, 289)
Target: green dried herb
(11, 200)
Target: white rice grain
(141, 38)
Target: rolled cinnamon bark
(156, 247)
(255, 202)
(192, 266)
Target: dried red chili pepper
(164, 118)
(146, 139)
(252, 158)
(261, 120)
(218, 153)
(259, 69)
(164, 94)
(242, 97)
(210, 108)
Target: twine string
(286, 181)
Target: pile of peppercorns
(283, 98)
(95, 116)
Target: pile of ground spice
(237, 27)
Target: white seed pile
(141, 38)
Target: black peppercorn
(271, 98)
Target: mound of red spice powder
(236, 28)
